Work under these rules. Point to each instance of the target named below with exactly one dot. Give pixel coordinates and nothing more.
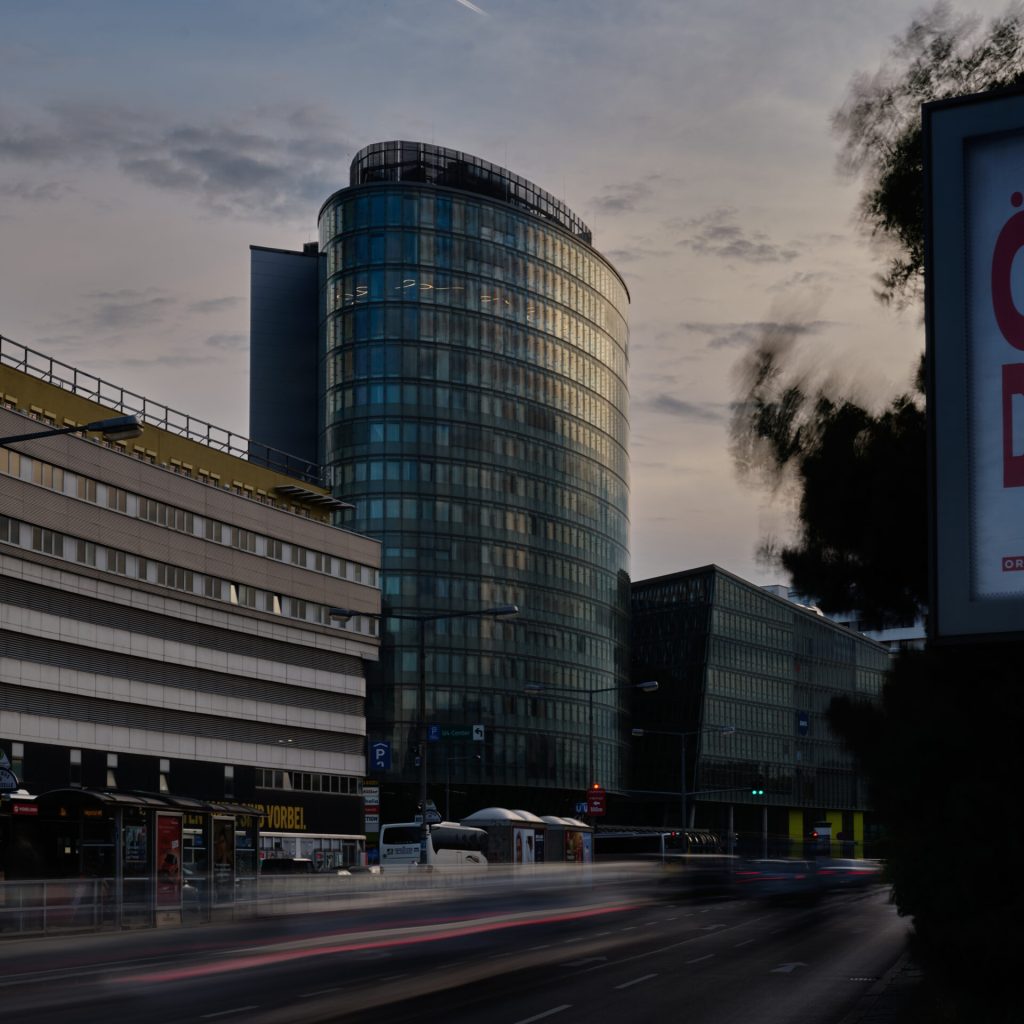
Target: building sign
(281, 817)
(975, 325)
(380, 756)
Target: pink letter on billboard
(1013, 386)
(1008, 244)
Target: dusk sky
(144, 147)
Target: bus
(451, 845)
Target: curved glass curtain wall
(474, 394)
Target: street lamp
(421, 619)
(117, 428)
(723, 730)
(535, 689)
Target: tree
(941, 55)
(939, 753)
(861, 483)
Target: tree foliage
(861, 539)
(941, 55)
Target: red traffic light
(595, 787)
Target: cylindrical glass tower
(474, 411)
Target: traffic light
(757, 792)
(595, 787)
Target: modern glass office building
(474, 411)
(732, 656)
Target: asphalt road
(509, 956)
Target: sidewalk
(890, 1000)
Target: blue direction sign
(380, 756)
(454, 732)
(803, 722)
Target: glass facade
(474, 413)
(730, 654)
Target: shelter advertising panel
(975, 323)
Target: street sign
(803, 722)
(596, 802)
(581, 807)
(478, 733)
(380, 756)
(454, 732)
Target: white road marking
(698, 960)
(746, 942)
(320, 992)
(225, 1013)
(546, 1013)
(636, 981)
(533, 949)
(631, 928)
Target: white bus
(451, 845)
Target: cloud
(35, 191)
(281, 169)
(215, 305)
(704, 412)
(621, 198)
(126, 309)
(718, 234)
(743, 335)
(634, 254)
(228, 342)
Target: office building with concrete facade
(164, 619)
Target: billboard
(974, 162)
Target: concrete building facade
(164, 619)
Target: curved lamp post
(421, 619)
(117, 428)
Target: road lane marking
(225, 1013)
(636, 981)
(321, 992)
(546, 1013)
(746, 942)
(533, 949)
(698, 960)
(631, 928)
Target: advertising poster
(996, 370)
(168, 860)
(135, 845)
(574, 847)
(224, 860)
(522, 846)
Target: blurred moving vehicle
(778, 879)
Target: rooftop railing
(111, 396)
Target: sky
(144, 147)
